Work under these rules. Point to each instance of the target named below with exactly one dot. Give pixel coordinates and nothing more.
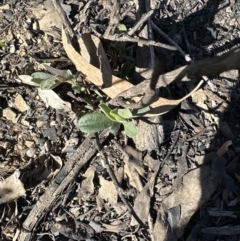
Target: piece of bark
(75, 161)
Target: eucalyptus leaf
(94, 122)
(130, 129)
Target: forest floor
(170, 173)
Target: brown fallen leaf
(87, 185)
(142, 201)
(196, 189)
(107, 191)
(11, 188)
(93, 52)
(93, 74)
(50, 98)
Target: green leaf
(116, 116)
(115, 128)
(124, 57)
(125, 113)
(2, 44)
(94, 122)
(130, 129)
(98, 93)
(165, 92)
(122, 28)
(106, 110)
(141, 111)
(37, 81)
(77, 89)
(121, 46)
(41, 75)
(50, 83)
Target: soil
(178, 179)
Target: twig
(169, 151)
(115, 182)
(186, 56)
(114, 18)
(143, 19)
(63, 17)
(125, 38)
(160, 32)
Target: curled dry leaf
(95, 75)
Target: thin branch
(115, 182)
(125, 38)
(185, 56)
(160, 32)
(143, 19)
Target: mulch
(177, 180)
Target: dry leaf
(93, 74)
(52, 99)
(107, 191)
(11, 188)
(142, 201)
(196, 189)
(87, 186)
(199, 97)
(93, 52)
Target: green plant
(122, 64)
(2, 44)
(50, 81)
(121, 28)
(112, 119)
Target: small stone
(12, 49)
(20, 103)
(29, 143)
(31, 152)
(9, 114)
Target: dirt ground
(170, 173)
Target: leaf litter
(175, 171)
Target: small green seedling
(122, 28)
(2, 44)
(50, 81)
(112, 119)
(122, 64)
